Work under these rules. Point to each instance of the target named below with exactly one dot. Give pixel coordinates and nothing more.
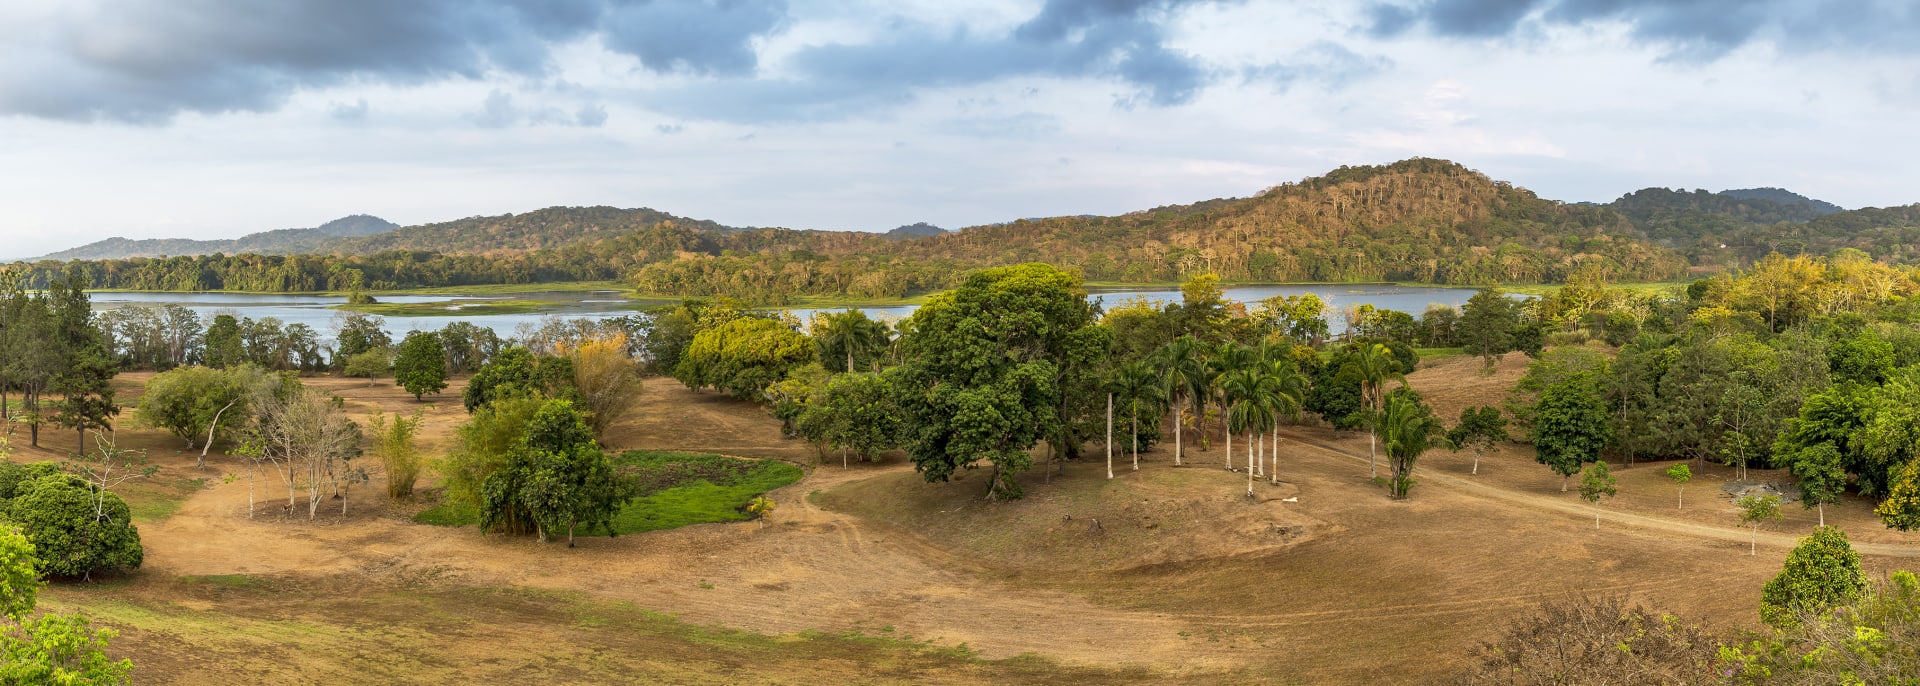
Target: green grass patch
(1438, 353)
(153, 500)
(675, 489)
(225, 580)
(678, 489)
(459, 307)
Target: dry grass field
(869, 575)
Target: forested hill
(1783, 197)
(548, 228)
(1422, 220)
(279, 242)
(1740, 226)
(1418, 220)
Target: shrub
(74, 534)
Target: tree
(1250, 400)
(1872, 640)
(223, 345)
(1479, 429)
(1375, 365)
(84, 377)
(76, 530)
(1288, 398)
(1680, 474)
(1822, 572)
(1487, 323)
(52, 648)
(1569, 428)
(107, 467)
(1596, 483)
(855, 412)
(1755, 509)
(1183, 377)
(742, 356)
(557, 479)
(991, 369)
(1901, 509)
(1131, 383)
(481, 447)
(370, 364)
(1822, 474)
(1409, 428)
(420, 366)
(306, 438)
(190, 402)
(393, 443)
(760, 508)
(851, 337)
(607, 380)
(355, 333)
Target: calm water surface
(315, 310)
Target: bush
(1596, 640)
(74, 534)
(1823, 571)
(393, 443)
(371, 364)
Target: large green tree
(1487, 324)
(50, 648)
(1409, 428)
(742, 356)
(989, 370)
(1823, 571)
(420, 366)
(850, 341)
(555, 478)
(1570, 427)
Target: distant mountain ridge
(1784, 197)
(915, 230)
(276, 242)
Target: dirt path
(1639, 521)
(810, 569)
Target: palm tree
(1227, 360)
(1249, 393)
(850, 333)
(1376, 365)
(1185, 379)
(1410, 429)
(1289, 394)
(1134, 382)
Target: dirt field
(1188, 579)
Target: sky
(217, 118)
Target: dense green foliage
(555, 478)
(74, 533)
(1822, 572)
(988, 369)
(420, 366)
(742, 356)
(51, 648)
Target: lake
(315, 310)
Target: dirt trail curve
(810, 569)
(1636, 520)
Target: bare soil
(1187, 579)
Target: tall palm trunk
(1136, 435)
(1260, 462)
(1229, 444)
(1109, 435)
(1273, 475)
(1249, 463)
(1176, 436)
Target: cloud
(590, 116)
(145, 61)
(1325, 63)
(354, 113)
(1693, 31)
(691, 35)
(1123, 40)
(497, 111)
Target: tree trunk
(1563, 483)
(1372, 471)
(1136, 435)
(992, 481)
(1823, 513)
(1753, 542)
(1109, 436)
(80, 441)
(1249, 463)
(1176, 436)
(1476, 461)
(1260, 461)
(1596, 514)
(1229, 451)
(843, 457)
(202, 464)
(1683, 499)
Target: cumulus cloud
(1700, 30)
(354, 113)
(144, 61)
